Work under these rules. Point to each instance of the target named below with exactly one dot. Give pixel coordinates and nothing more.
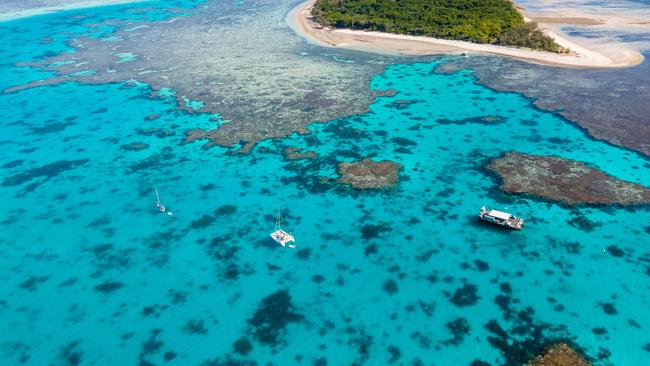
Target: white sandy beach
(63, 7)
(582, 55)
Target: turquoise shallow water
(93, 274)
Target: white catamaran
(282, 237)
(160, 206)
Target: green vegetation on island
(479, 21)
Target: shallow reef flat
(566, 181)
(559, 354)
(369, 174)
(261, 78)
(612, 106)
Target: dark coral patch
(390, 286)
(169, 355)
(270, 320)
(12, 164)
(599, 330)
(317, 278)
(583, 223)
(135, 146)
(207, 187)
(427, 307)
(151, 346)
(51, 128)
(70, 354)
(109, 286)
(481, 265)
(458, 328)
(400, 104)
(202, 222)
(195, 326)
(341, 131)
(48, 171)
(242, 346)
(33, 282)
(394, 353)
(479, 363)
(303, 253)
(370, 249)
(465, 296)
(403, 142)
(609, 308)
(615, 251)
(226, 210)
(227, 361)
(373, 231)
(485, 120)
(363, 343)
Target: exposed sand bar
(63, 7)
(581, 55)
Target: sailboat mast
(157, 197)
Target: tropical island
(478, 21)
(432, 27)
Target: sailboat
(160, 206)
(282, 237)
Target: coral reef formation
(567, 181)
(369, 174)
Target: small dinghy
(282, 237)
(160, 206)
(501, 218)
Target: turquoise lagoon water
(93, 275)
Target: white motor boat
(501, 218)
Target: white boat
(282, 237)
(160, 206)
(501, 218)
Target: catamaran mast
(278, 221)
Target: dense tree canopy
(480, 21)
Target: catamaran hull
(283, 238)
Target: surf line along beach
(605, 55)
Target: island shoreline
(300, 20)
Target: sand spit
(613, 55)
(59, 8)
